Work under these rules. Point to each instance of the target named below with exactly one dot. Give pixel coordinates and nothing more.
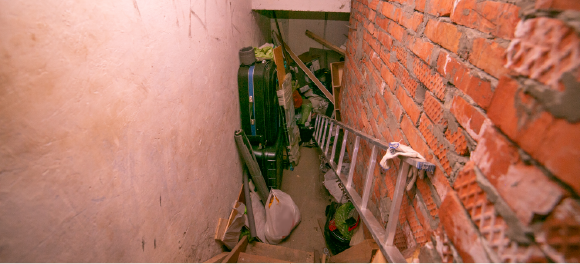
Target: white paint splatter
(455, 4)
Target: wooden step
(250, 258)
(279, 252)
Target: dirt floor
(304, 185)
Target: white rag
(396, 149)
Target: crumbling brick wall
(489, 91)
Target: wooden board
(218, 258)
(278, 252)
(250, 258)
(379, 258)
(361, 253)
(220, 229)
(279, 60)
(325, 42)
(232, 257)
(309, 73)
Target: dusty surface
(304, 185)
(117, 122)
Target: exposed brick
(553, 142)
(401, 54)
(488, 56)
(385, 39)
(435, 7)
(422, 49)
(427, 129)
(391, 11)
(396, 31)
(414, 224)
(457, 139)
(383, 23)
(426, 193)
(461, 231)
(393, 105)
(558, 4)
(388, 77)
(415, 141)
(411, 21)
(525, 188)
(409, 105)
(492, 226)
(559, 235)
(469, 117)
(405, 78)
(434, 109)
(444, 34)
(429, 77)
(544, 49)
(373, 4)
(496, 18)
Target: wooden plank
(325, 42)
(220, 229)
(218, 258)
(249, 258)
(361, 253)
(279, 60)
(324, 258)
(309, 73)
(379, 258)
(232, 257)
(278, 252)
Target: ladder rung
(337, 128)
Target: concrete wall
(488, 91)
(303, 5)
(117, 122)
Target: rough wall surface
(117, 122)
(488, 91)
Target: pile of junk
(279, 93)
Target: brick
(435, 7)
(423, 49)
(524, 187)
(543, 49)
(411, 21)
(388, 77)
(427, 195)
(434, 109)
(383, 23)
(558, 4)
(451, 68)
(444, 34)
(429, 77)
(488, 56)
(553, 142)
(492, 226)
(396, 31)
(559, 235)
(401, 54)
(391, 11)
(461, 231)
(373, 4)
(457, 139)
(468, 116)
(496, 18)
(385, 40)
(409, 105)
(415, 141)
(428, 130)
(404, 77)
(393, 105)
(444, 247)
(414, 223)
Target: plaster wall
(117, 121)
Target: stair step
(250, 258)
(279, 252)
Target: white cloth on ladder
(396, 149)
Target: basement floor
(304, 185)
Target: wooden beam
(232, 257)
(279, 60)
(218, 258)
(325, 42)
(308, 72)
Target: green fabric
(306, 109)
(340, 217)
(266, 53)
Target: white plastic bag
(259, 216)
(282, 215)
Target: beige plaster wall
(116, 128)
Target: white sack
(282, 215)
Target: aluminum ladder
(324, 129)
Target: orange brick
(488, 56)
(434, 109)
(469, 117)
(457, 139)
(435, 7)
(558, 4)
(409, 105)
(427, 129)
(422, 49)
(496, 18)
(444, 34)
(431, 79)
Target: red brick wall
(489, 91)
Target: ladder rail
(383, 236)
